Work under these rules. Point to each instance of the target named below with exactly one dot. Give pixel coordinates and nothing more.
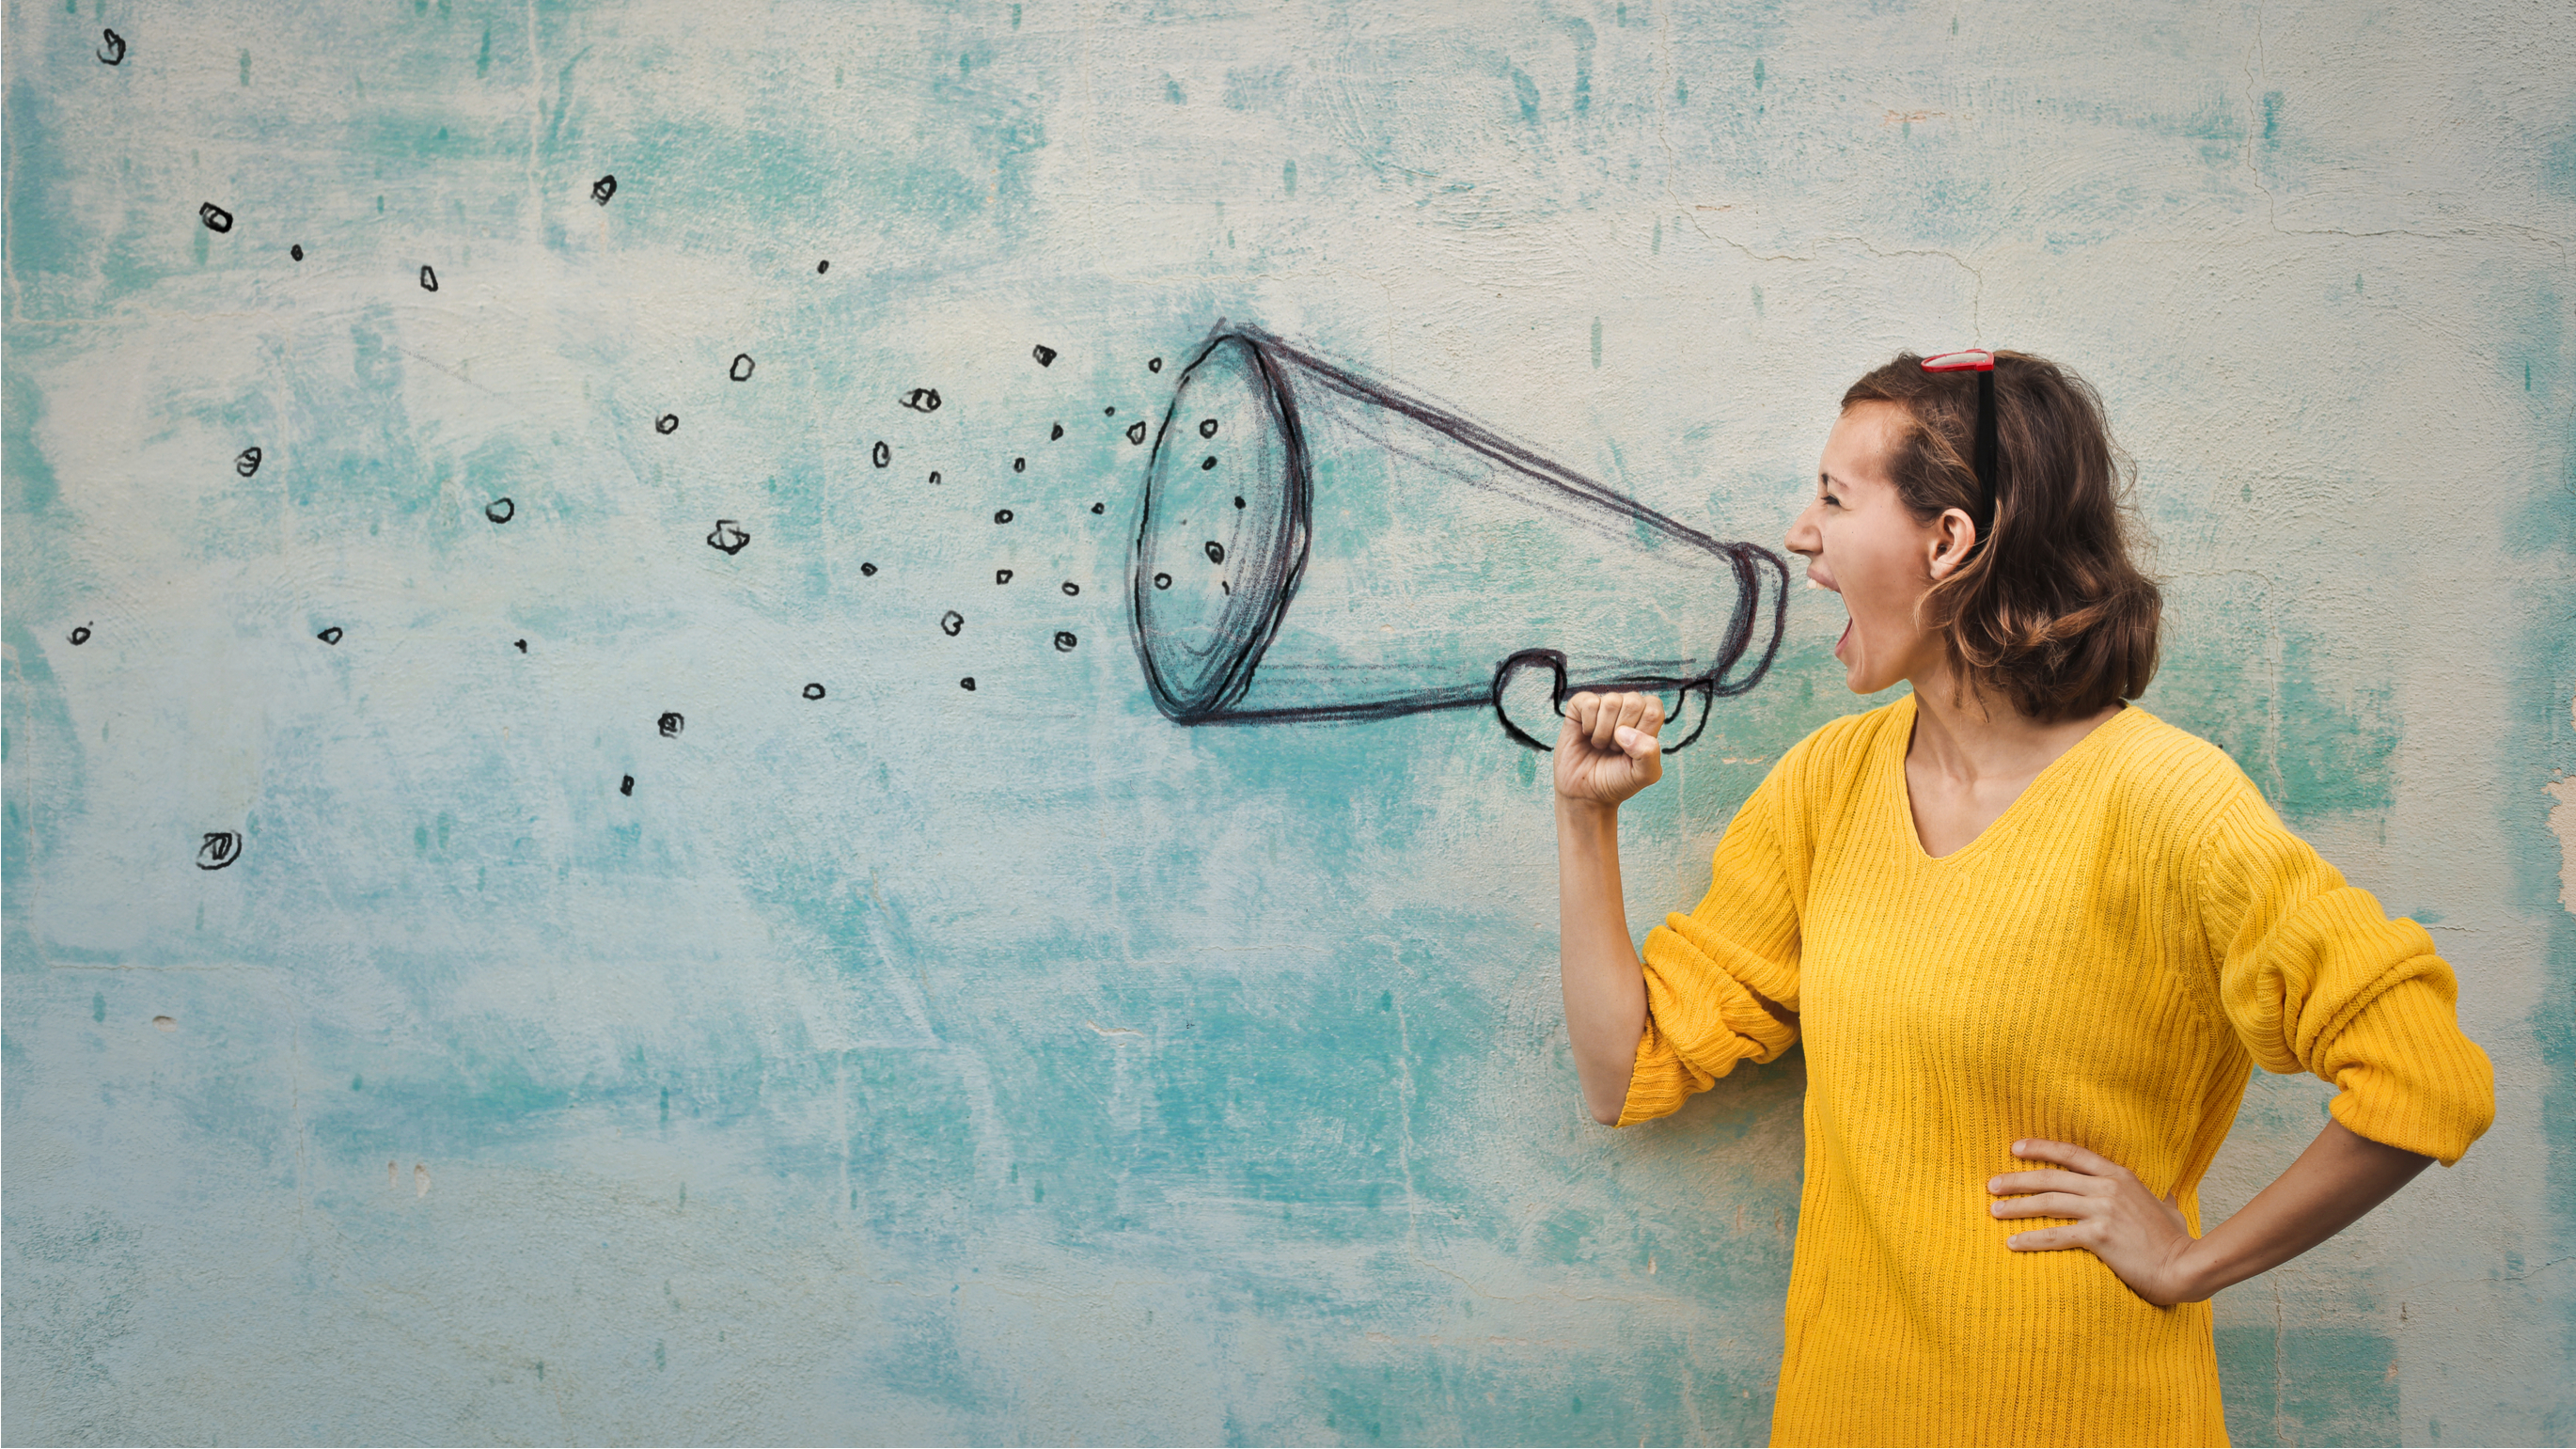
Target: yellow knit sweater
(2099, 967)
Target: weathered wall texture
(916, 1064)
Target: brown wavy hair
(2050, 611)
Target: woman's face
(1860, 542)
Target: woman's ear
(1952, 535)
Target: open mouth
(1845, 639)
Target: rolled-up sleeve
(2315, 977)
(1710, 973)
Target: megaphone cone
(1318, 546)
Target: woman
(2031, 937)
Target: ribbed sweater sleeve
(1703, 969)
(2315, 977)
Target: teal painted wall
(914, 1065)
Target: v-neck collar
(1901, 731)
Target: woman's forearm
(1605, 986)
(2341, 1176)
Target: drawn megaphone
(1319, 546)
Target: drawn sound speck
(500, 510)
(1003, 516)
(867, 571)
(922, 399)
(1071, 588)
(1207, 428)
(934, 477)
(813, 691)
(951, 622)
(1056, 433)
(215, 217)
(741, 369)
(670, 724)
(330, 635)
(1100, 508)
(522, 643)
(1215, 552)
(727, 538)
(428, 278)
(626, 785)
(967, 684)
(667, 424)
(1162, 581)
(80, 635)
(822, 266)
(1001, 576)
(112, 52)
(881, 454)
(1046, 358)
(296, 251)
(1019, 465)
(1208, 462)
(1136, 432)
(1064, 641)
(221, 848)
(246, 462)
(604, 188)
(1155, 365)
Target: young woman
(2031, 937)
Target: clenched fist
(1608, 749)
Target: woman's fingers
(2046, 1240)
(2066, 1154)
(2044, 1205)
(2046, 1180)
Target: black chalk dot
(967, 684)
(428, 278)
(1207, 462)
(1162, 581)
(1071, 588)
(1046, 358)
(1100, 508)
(667, 423)
(813, 691)
(1064, 641)
(330, 635)
(1215, 552)
(934, 475)
(500, 510)
(626, 786)
(742, 366)
(1109, 412)
(602, 189)
(1156, 365)
(1019, 465)
(1238, 500)
(1001, 576)
(867, 571)
(246, 462)
(671, 724)
(296, 251)
(881, 455)
(80, 635)
(1135, 432)
(822, 266)
(951, 622)
(1057, 433)
(922, 399)
(1004, 516)
(522, 643)
(216, 218)
(1207, 428)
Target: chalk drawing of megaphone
(1319, 546)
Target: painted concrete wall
(919, 1064)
